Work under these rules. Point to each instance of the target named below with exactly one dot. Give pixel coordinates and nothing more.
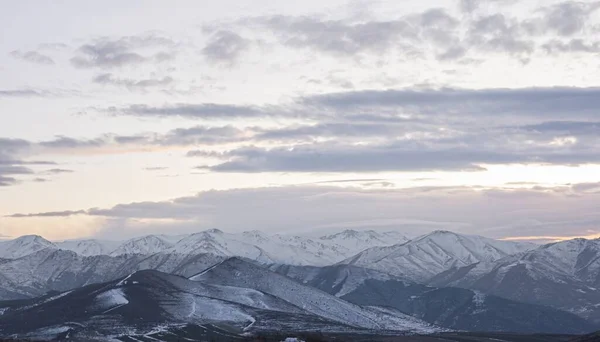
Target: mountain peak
(32, 238)
(350, 233)
(213, 231)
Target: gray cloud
(574, 45)
(435, 33)
(109, 53)
(62, 142)
(567, 18)
(201, 111)
(32, 57)
(50, 214)
(337, 36)
(9, 165)
(569, 127)
(7, 181)
(394, 157)
(22, 93)
(385, 105)
(296, 209)
(202, 135)
(131, 84)
(225, 48)
(59, 171)
(499, 34)
(537, 102)
(53, 46)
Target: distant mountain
(564, 275)
(24, 245)
(89, 247)
(452, 308)
(427, 256)
(256, 245)
(147, 302)
(361, 240)
(240, 273)
(148, 244)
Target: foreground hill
(150, 301)
(240, 273)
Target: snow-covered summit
(148, 244)
(24, 245)
(436, 252)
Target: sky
(120, 119)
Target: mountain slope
(452, 308)
(563, 275)
(60, 270)
(336, 280)
(149, 300)
(463, 309)
(148, 244)
(240, 273)
(425, 257)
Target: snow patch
(112, 299)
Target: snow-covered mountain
(24, 245)
(429, 255)
(240, 273)
(361, 240)
(256, 245)
(451, 308)
(148, 244)
(564, 275)
(89, 247)
(145, 303)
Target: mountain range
(296, 250)
(354, 282)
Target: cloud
(9, 165)
(53, 46)
(59, 171)
(567, 18)
(156, 168)
(395, 156)
(32, 57)
(574, 45)
(570, 127)
(298, 209)
(62, 142)
(188, 110)
(107, 53)
(131, 84)
(22, 93)
(50, 214)
(324, 158)
(337, 37)
(394, 105)
(435, 33)
(537, 102)
(225, 48)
